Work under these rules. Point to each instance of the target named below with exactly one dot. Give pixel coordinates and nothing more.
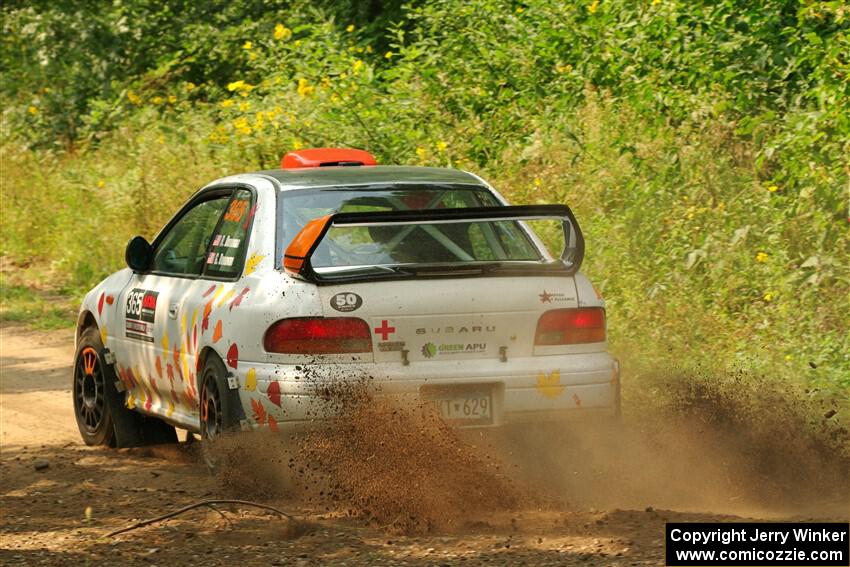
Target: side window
(182, 250)
(226, 255)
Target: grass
(36, 309)
(715, 231)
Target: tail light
(318, 335)
(571, 326)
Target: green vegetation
(704, 146)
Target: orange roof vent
(326, 157)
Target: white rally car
(333, 267)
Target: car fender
(100, 305)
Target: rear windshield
(350, 246)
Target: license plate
(462, 407)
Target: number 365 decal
(346, 301)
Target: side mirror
(138, 254)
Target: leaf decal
(195, 328)
(225, 298)
(549, 385)
(170, 411)
(238, 300)
(169, 370)
(210, 290)
(273, 424)
(259, 411)
(100, 303)
(252, 263)
(217, 332)
(131, 378)
(158, 366)
(274, 393)
(577, 400)
(233, 356)
(103, 335)
(164, 342)
(251, 380)
(205, 323)
(250, 216)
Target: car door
(162, 315)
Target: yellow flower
(227, 103)
(441, 146)
(768, 296)
(421, 152)
(762, 257)
(656, 2)
(133, 98)
(235, 85)
(296, 145)
(252, 56)
(32, 110)
(564, 68)
(350, 28)
(189, 87)
(282, 32)
(388, 55)
(244, 106)
(157, 100)
(248, 45)
(304, 88)
(772, 188)
(537, 182)
(172, 99)
(101, 183)
(788, 358)
(358, 64)
(369, 49)
(241, 126)
(520, 10)
(593, 7)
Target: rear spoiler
(297, 256)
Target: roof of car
(359, 175)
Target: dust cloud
(731, 444)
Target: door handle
(172, 311)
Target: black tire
(220, 409)
(90, 380)
(100, 410)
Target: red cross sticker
(384, 330)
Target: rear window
(437, 243)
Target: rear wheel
(102, 416)
(219, 410)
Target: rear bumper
(522, 390)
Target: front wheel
(102, 416)
(91, 407)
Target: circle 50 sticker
(346, 301)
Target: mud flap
(132, 429)
(236, 413)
